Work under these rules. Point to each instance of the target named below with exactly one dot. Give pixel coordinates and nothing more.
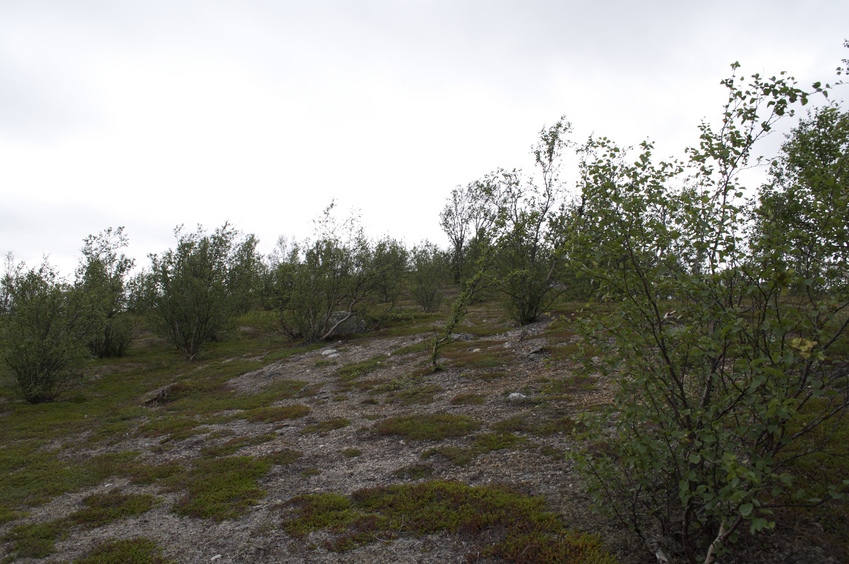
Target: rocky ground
(528, 381)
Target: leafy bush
(429, 271)
(44, 328)
(334, 284)
(201, 285)
(102, 277)
(722, 370)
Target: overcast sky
(154, 113)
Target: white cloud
(158, 113)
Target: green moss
(319, 511)
(7, 515)
(483, 443)
(126, 551)
(173, 428)
(222, 488)
(569, 385)
(352, 452)
(414, 472)
(422, 395)
(456, 455)
(495, 522)
(487, 442)
(386, 387)
(208, 393)
(103, 508)
(283, 457)
(151, 474)
(467, 399)
(35, 540)
(359, 369)
(231, 446)
(31, 477)
(427, 427)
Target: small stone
(516, 396)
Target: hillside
(345, 451)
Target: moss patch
(103, 508)
(467, 399)
(483, 443)
(35, 540)
(539, 426)
(496, 522)
(233, 445)
(427, 427)
(222, 488)
(126, 551)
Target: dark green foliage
(100, 509)
(412, 393)
(515, 227)
(126, 551)
(471, 289)
(35, 540)
(457, 456)
(428, 427)
(801, 219)
(389, 260)
(482, 444)
(429, 273)
(357, 369)
(335, 284)
(274, 414)
(534, 217)
(722, 368)
(45, 325)
(103, 276)
(232, 445)
(201, 285)
(151, 474)
(319, 511)
(467, 219)
(496, 522)
(283, 457)
(414, 472)
(468, 399)
(222, 488)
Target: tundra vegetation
(709, 314)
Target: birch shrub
(728, 372)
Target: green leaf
(746, 509)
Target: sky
(153, 114)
